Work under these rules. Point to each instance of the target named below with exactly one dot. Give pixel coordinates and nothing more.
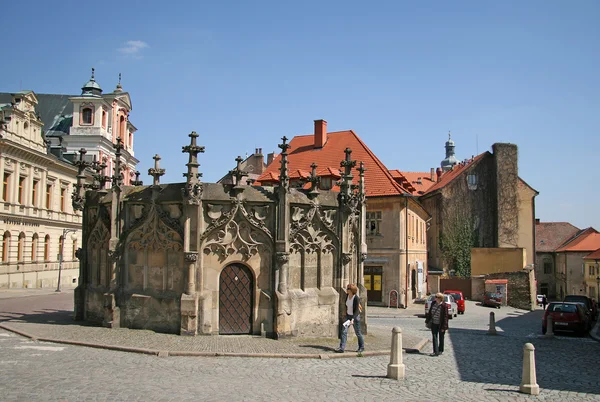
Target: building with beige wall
(41, 137)
(592, 274)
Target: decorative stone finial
(78, 196)
(137, 181)
(117, 179)
(238, 173)
(314, 181)
(156, 171)
(284, 179)
(192, 191)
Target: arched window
(5, 246)
(20, 247)
(87, 115)
(104, 119)
(47, 248)
(34, 246)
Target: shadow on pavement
(562, 363)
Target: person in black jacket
(437, 317)
(352, 317)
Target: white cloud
(133, 47)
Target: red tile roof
(551, 235)
(586, 240)
(593, 256)
(302, 153)
(450, 175)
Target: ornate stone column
(190, 258)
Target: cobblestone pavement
(474, 367)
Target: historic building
(486, 193)
(396, 264)
(592, 274)
(212, 258)
(549, 236)
(254, 166)
(41, 136)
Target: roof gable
(302, 153)
(457, 171)
(587, 240)
(550, 235)
(594, 255)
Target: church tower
(450, 160)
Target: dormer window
(325, 183)
(87, 116)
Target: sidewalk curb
(166, 353)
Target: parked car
(582, 299)
(567, 316)
(492, 299)
(459, 298)
(452, 306)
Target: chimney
(537, 221)
(433, 174)
(270, 158)
(320, 133)
(259, 161)
(438, 172)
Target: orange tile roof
(450, 175)
(593, 256)
(302, 153)
(587, 240)
(418, 182)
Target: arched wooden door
(236, 288)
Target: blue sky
(400, 74)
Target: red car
(458, 298)
(567, 317)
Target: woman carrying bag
(437, 319)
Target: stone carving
(283, 257)
(192, 193)
(191, 256)
(363, 257)
(311, 230)
(346, 258)
(233, 238)
(157, 232)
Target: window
(47, 248)
(547, 267)
(472, 181)
(373, 223)
(325, 183)
(592, 270)
(122, 127)
(34, 246)
(87, 115)
(61, 243)
(5, 246)
(21, 190)
(48, 196)
(20, 247)
(5, 186)
(74, 249)
(34, 193)
(63, 193)
(104, 118)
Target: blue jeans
(438, 338)
(356, 325)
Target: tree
(457, 239)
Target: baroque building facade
(214, 258)
(41, 134)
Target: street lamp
(62, 250)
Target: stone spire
(78, 196)
(314, 181)
(450, 161)
(284, 178)
(117, 179)
(347, 177)
(137, 181)
(156, 171)
(192, 192)
(238, 173)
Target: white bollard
(529, 381)
(492, 329)
(549, 327)
(396, 369)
